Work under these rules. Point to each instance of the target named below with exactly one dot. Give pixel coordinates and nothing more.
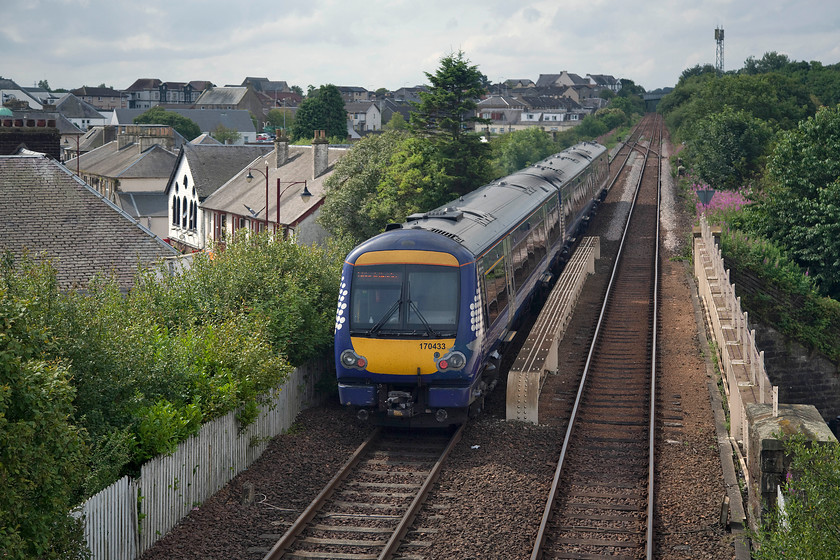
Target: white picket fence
(170, 486)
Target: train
(427, 308)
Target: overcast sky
(381, 43)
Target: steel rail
(542, 532)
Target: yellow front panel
(401, 357)
(402, 257)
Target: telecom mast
(719, 50)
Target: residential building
(364, 116)
(604, 81)
(10, 92)
(508, 114)
(146, 93)
(199, 170)
(82, 114)
(230, 98)
(252, 204)
(82, 233)
(103, 98)
(353, 94)
(388, 108)
(132, 172)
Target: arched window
(184, 212)
(174, 210)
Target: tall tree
(448, 108)
(801, 211)
(447, 116)
(323, 111)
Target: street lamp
(304, 196)
(250, 178)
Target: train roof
(479, 218)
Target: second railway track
(600, 501)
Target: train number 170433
(432, 346)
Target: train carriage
(425, 308)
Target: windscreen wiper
(385, 317)
(426, 324)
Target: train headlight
(453, 361)
(352, 360)
(457, 360)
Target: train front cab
(406, 336)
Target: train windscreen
(404, 300)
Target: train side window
(495, 286)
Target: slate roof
(96, 92)
(236, 193)
(222, 96)
(128, 162)
(206, 139)
(213, 165)
(547, 80)
(143, 84)
(82, 232)
(207, 119)
(74, 108)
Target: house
(508, 114)
(146, 93)
(264, 85)
(199, 170)
(182, 93)
(132, 172)
(82, 233)
(10, 91)
(284, 174)
(230, 98)
(207, 120)
(363, 116)
(409, 93)
(103, 98)
(353, 94)
(388, 108)
(82, 114)
(520, 83)
(604, 81)
(505, 113)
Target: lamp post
(250, 178)
(305, 195)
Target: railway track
(366, 510)
(600, 501)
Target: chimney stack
(320, 153)
(281, 149)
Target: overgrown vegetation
(92, 384)
(807, 525)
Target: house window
(184, 212)
(174, 210)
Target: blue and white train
(426, 307)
